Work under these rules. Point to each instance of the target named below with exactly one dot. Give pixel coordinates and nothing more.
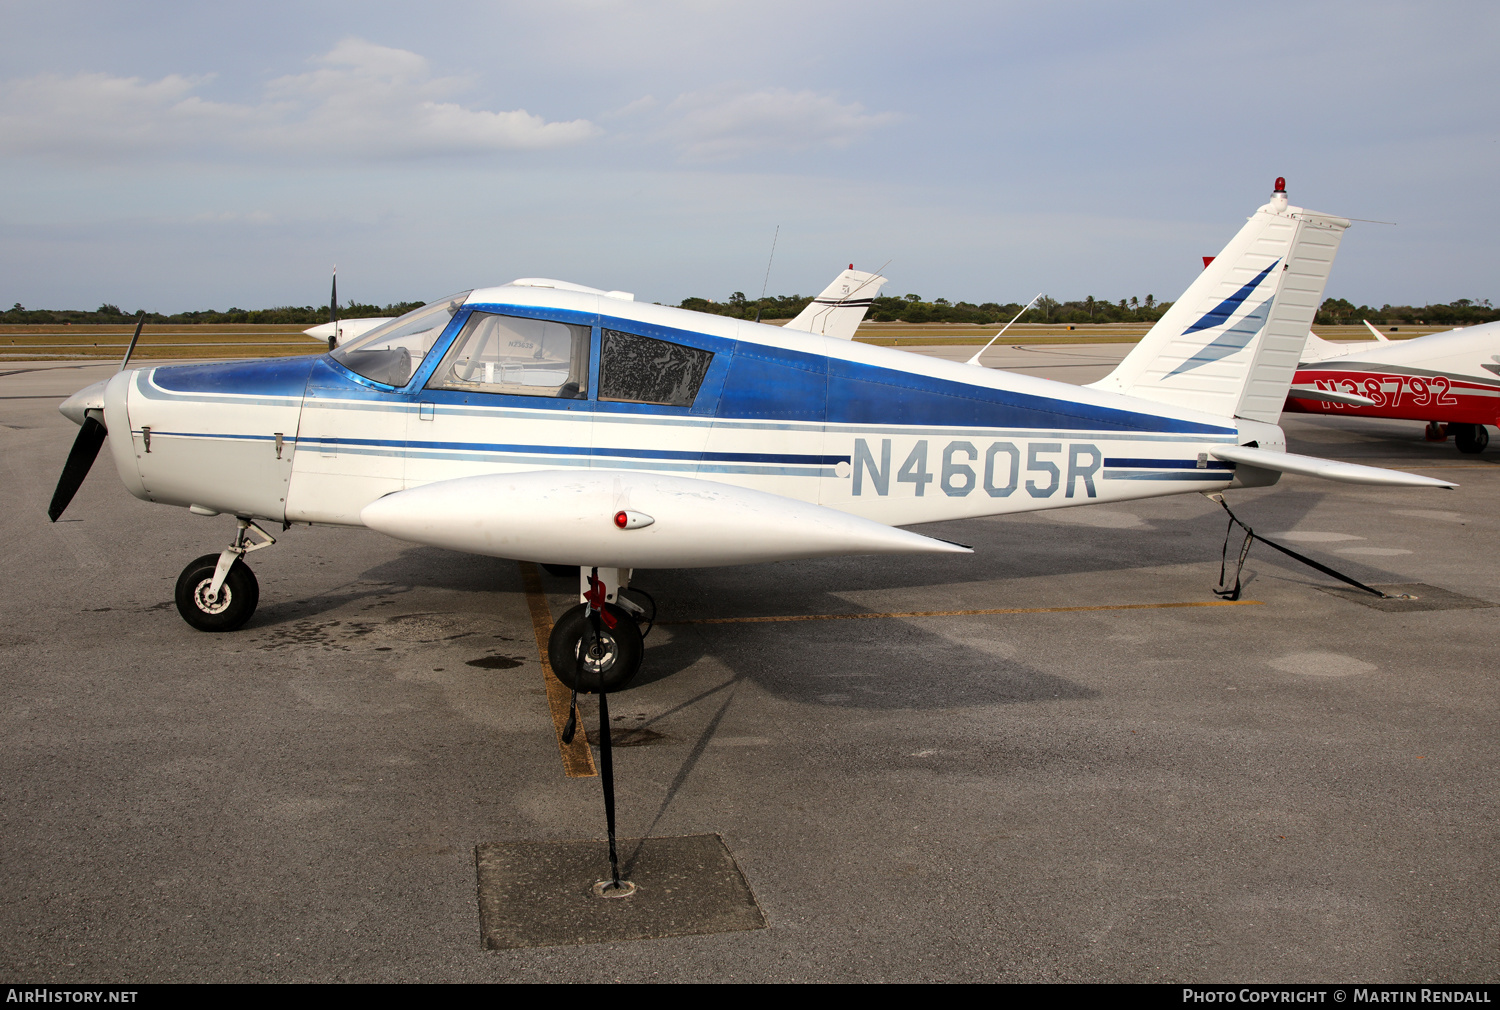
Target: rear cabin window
(518, 356)
(637, 369)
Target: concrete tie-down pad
(541, 894)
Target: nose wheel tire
(1470, 438)
(608, 661)
(233, 605)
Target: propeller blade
(333, 310)
(86, 446)
(140, 321)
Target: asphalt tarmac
(1301, 788)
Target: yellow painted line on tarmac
(964, 613)
(577, 758)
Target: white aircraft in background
(336, 331)
(1450, 378)
(551, 422)
(345, 329)
(837, 312)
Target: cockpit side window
(391, 352)
(637, 369)
(518, 356)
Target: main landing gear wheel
(1470, 438)
(610, 660)
(229, 610)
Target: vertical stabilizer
(1230, 345)
(838, 311)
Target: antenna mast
(766, 283)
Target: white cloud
(362, 100)
(731, 122)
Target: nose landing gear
(219, 592)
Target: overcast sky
(174, 156)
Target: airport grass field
(179, 341)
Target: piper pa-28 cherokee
(1450, 378)
(549, 422)
(836, 312)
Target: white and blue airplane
(836, 312)
(550, 422)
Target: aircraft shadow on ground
(877, 657)
(1356, 438)
(875, 669)
(881, 665)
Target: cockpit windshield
(391, 352)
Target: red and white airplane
(1451, 380)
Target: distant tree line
(913, 309)
(305, 315)
(905, 309)
(1463, 312)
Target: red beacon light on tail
(1278, 197)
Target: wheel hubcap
(215, 605)
(601, 653)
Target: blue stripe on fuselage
(1211, 475)
(1167, 464)
(574, 450)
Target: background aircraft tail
(838, 311)
(1230, 345)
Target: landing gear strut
(596, 648)
(218, 592)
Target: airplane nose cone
(80, 403)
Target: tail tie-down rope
(1225, 591)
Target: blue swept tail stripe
(1221, 313)
(1231, 340)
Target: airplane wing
(838, 311)
(1329, 396)
(630, 519)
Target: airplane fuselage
(1449, 377)
(877, 432)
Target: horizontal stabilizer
(1328, 469)
(570, 517)
(1329, 396)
